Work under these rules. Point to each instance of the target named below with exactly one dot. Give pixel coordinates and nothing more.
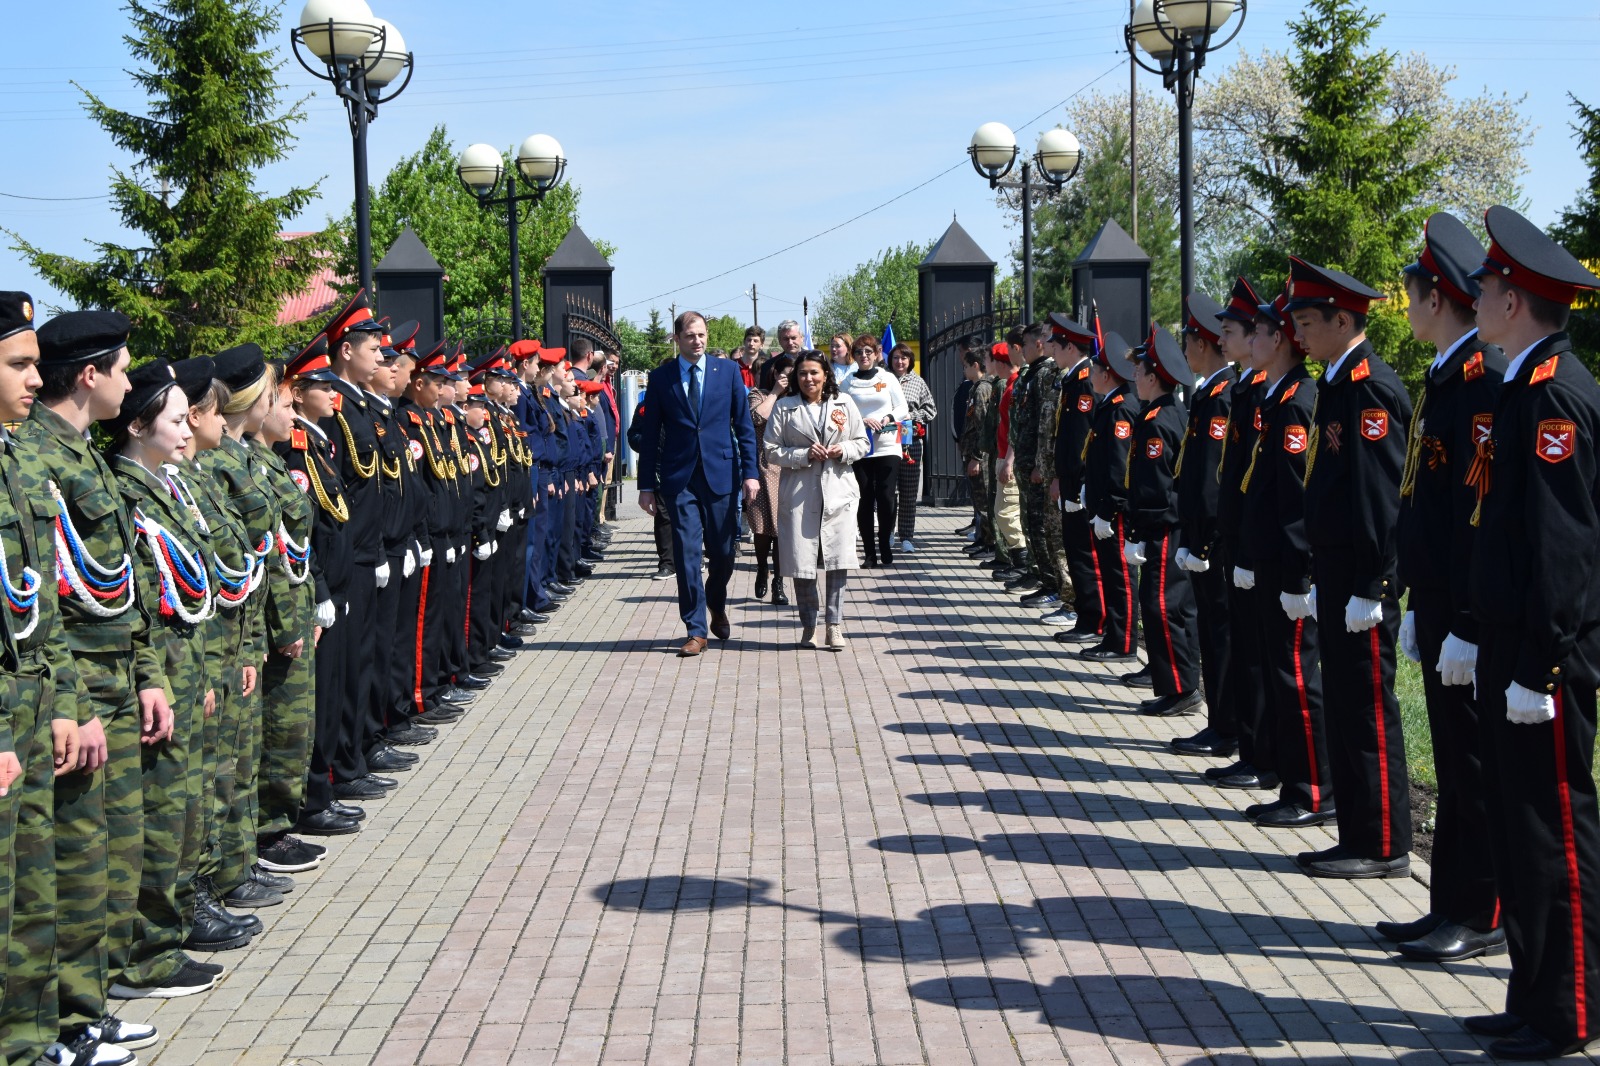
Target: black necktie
(694, 390)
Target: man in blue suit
(698, 447)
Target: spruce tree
(213, 270)
(1579, 230)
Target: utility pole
(1133, 132)
(755, 306)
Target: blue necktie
(694, 390)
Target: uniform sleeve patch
(1374, 422)
(1154, 447)
(1086, 403)
(1122, 430)
(1482, 429)
(1256, 421)
(1544, 371)
(1556, 436)
(1294, 439)
(416, 449)
(300, 480)
(1219, 428)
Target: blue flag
(888, 342)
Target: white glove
(1408, 637)
(1457, 661)
(522, 512)
(1182, 558)
(1527, 707)
(503, 523)
(1076, 505)
(1197, 565)
(494, 547)
(1133, 552)
(326, 615)
(1102, 529)
(425, 556)
(408, 566)
(1298, 606)
(482, 551)
(1244, 579)
(450, 555)
(383, 575)
(1361, 614)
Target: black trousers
(1083, 566)
(876, 478)
(908, 481)
(388, 619)
(482, 599)
(1216, 642)
(438, 585)
(663, 535)
(1246, 683)
(1545, 839)
(1366, 748)
(1291, 679)
(1117, 583)
(458, 580)
(403, 698)
(332, 664)
(1463, 887)
(361, 676)
(1167, 601)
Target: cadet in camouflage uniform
(1025, 453)
(40, 697)
(175, 583)
(99, 816)
(977, 462)
(989, 445)
(1044, 392)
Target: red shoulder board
(1218, 387)
(449, 416)
(1148, 415)
(1289, 392)
(1472, 369)
(1362, 371)
(298, 440)
(1118, 398)
(1083, 373)
(416, 419)
(1544, 371)
(545, 391)
(338, 402)
(1261, 375)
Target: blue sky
(707, 135)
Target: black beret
(82, 336)
(241, 366)
(195, 376)
(16, 313)
(146, 385)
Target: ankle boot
(761, 579)
(210, 931)
(779, 597)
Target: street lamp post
(1178, 35)
(361, 56)
(540, 164)
(994, 152)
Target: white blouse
(879, 397)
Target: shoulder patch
(1086, 402)
(1219, 428)
(1482, 429)
(1544, 371)
(1361, 372)
(1261, 375)
(1294, 439)
(1472, 369)
(1218, 387)
(300, 480)
(416, 419)
(1374, 422)
(1556, 439)
(1148, 415)
(1122, 430)
(1083, 374)
(298, 440)
(1289, 392)
(1154, 447)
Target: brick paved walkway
(948, 844)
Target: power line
(53, 199)
(871, 210)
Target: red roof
(317, 298)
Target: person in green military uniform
(99, 811)
(175, 582)
(988, 417)
(1025, 457)
(1044, 396)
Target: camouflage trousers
(1034, 498)
(219, 759)
(174, 793)
(232, 768)
(99, 834)
(28, 876)
(1053, 560)
(983, 502)
(288, 699)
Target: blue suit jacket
(721, 442)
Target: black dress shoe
(560, 588)
(1140, 678)
(1247, 779)
(583, 570)
(1175, 705)
(443, 715)
(1256, 810)
(473, 682)
(413, 735)
(1077, 636)
(1102, 654)
(1215, 745)
(523, 629)
(556, 599)
(662, 573)
(1452, 942)
(1338, 851)
(390, 761)
(348, 810)
(385, 783)
(359, 789)
(534, 618)
(1292, 816)
(1216, 773)
(1356, 868)
(591, 556)
(1501, 1024)
(488, 668)
(1527, 1045)
(547, 607)
(325, 824)
(505, 650)
(1400, 932)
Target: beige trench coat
(816, 505)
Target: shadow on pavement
(1039, 803)
(1043, 767)
(1016, 735)
(1094, 851)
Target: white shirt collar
(1516, 364)
(1339, 362)
(312, 426)
(1444, 357)
(1214, 375)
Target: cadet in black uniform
(1165, 596)
(1074, 417)
(1536, 594)
(1353, 469)
(1197, 513)
(1105, 478)
(1446, 475)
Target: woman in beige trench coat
(812, 437)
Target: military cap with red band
(1113, 356)
(1277, 313)
(1203, 314)
(1162, 353)
(403, 338)
(552, 356)
(1315, 286)
(1450, 253)
(312, 364)
(1242, 303)
(1065, 330)
(522, 350)
(1520, 254)
(354, 317)
(484, 365)
(437, 362)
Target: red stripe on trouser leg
(1383, 740)
(1494, 923)
(466, 620)
(416, 672)
(1127, 590)
(1166, 629)
(1569, 845)
(1305, 717)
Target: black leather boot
(779, 597)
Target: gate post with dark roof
(576, 274)
(1113, 273)
(955, 280)
(409, 283)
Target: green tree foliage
(880, 291)
(1064, 225)
(213, 270)
(725, 332)
(469, 241)
(1352, 196)
(1579, 230)
(657, 337)
(635, 354)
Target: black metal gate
(484, 332)
(944, 479)
(585, 318)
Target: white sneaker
(808, 639)
(103, 1055)
(908, 545)
(125, 1035)
(894, 541)
(1059, 618)
(836, 641)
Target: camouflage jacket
(1047, 387)
(290, 594)
(229, 545)
(1025, 416)
(989, 416)
(980, 409)
(236, 470)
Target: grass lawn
(1414, 717)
